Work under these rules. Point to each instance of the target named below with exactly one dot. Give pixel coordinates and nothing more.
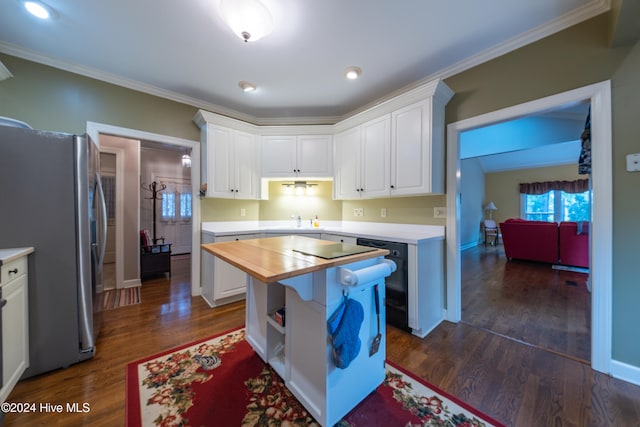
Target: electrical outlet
(358, 212)
(243, 212)
(440, 212)
(383, 212)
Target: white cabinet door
(228, 281)
(245, 165)
(412, 160)
(376, 139)
(304, 156)
(219, 162)
(362, 161)
(231, 163)
(347, 164)
(279, 156)
(314, 156)
(15, 328)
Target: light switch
(633, 162)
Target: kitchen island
(294, 285)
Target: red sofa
(530, 240)
(574, 244)
(567, 243)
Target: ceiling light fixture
(39, 9)
(247, 86)
(248, 19)
(352, 72)
(186, 160)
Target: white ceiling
(182, 50)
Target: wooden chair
(491, 232)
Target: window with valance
(577, 186)
(556, 200)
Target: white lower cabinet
(426, 286)
(222, 283)
(15, 323)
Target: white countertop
(403, 233)
(10, 254)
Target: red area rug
(221, 382)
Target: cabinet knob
(14, 271)
(393, 186)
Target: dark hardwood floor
(527, 301)
(520, 385)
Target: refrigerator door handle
(103, 211)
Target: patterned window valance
(577, 186)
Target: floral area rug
(221, 382)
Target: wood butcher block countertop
(273, 259)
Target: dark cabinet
(154, 260)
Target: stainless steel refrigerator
(51, 198)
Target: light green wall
(577, 57)
(404, 210)
(229, 210)
(503, 188)
(51, 99)
(626, 210)
(573, 58)
(281, 206)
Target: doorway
(599, 96)
(162, 164)
(98, 130)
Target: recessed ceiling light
(39, 9)
(247, 86)
(352, 72)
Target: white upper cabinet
(305, 156)
(231, 163)
(417, 159)
(395, 148)
(399, 151)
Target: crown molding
(581, 14)
(93, 73)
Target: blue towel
(345, 337)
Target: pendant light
(248, 19)
(186, 160)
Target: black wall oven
(397, 284)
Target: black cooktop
(336, 250)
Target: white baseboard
(624, 371)
(469, 246)
(132, 283)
